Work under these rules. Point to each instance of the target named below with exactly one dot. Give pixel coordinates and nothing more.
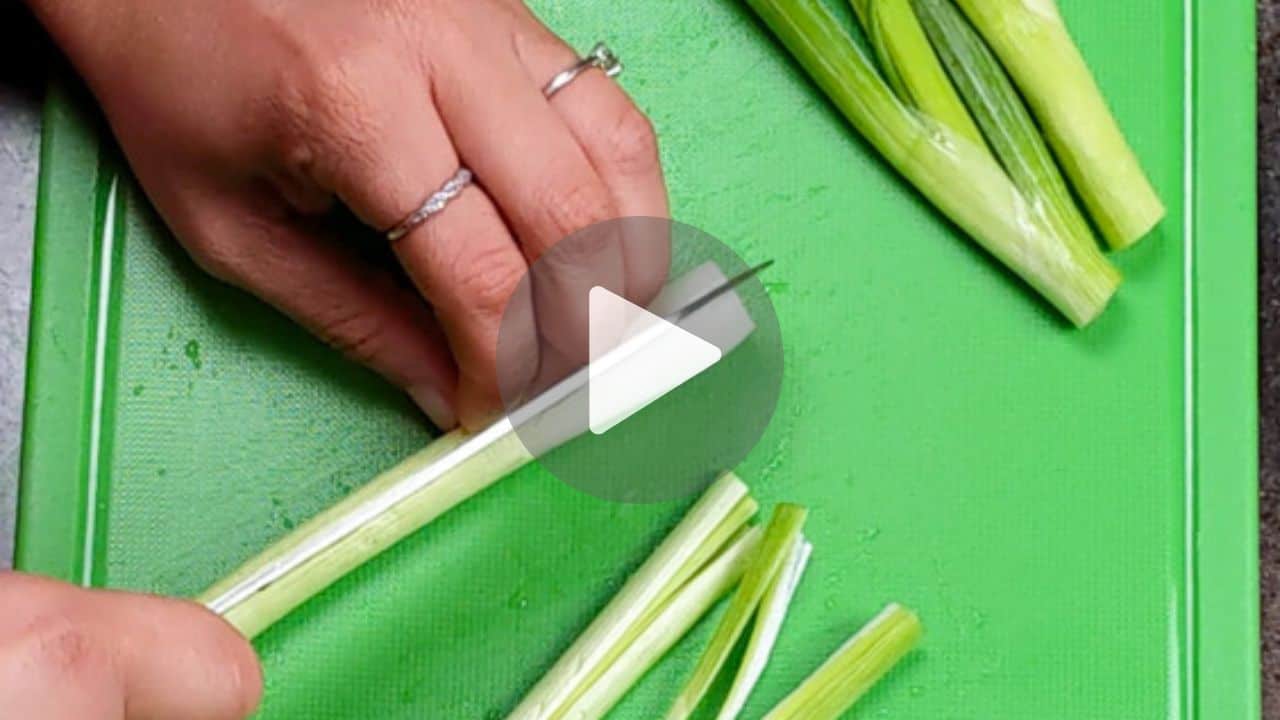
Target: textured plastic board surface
(1072, 513)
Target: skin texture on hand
(67, 653)
(246, 120)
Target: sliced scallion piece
(1032, 41)
(910, 65)
(780, 538)
(713, 520)
(1004, 119)
(847, 675)
(962, 180)
(764, 634)
(672, 621)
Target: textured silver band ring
(600, 57)
(434, 204)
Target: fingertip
(431, 402)
(248, 680)
(477, 407)
(235, 672)
(206, 668)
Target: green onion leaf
(962, 180)
(847, 675)
(1031, 39)
(780, 538)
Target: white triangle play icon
(636, 358)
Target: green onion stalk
(857, 666)
(764, 633)
(781, 537)
(910, 65)
(714, 523)
(261, 609)
(671, 622)
(1032, 41)
(1004, 118)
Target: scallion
(847, 675)
(1005, 120)
(910, 65)
(256, 611)
(764, 634)
(672, 621)
(780, 539)
(711, 523)
(1032, 40)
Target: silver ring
(600, 57)
(434, 204)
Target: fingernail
(433, 404)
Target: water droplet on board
(137, 390)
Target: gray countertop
(19, 141)
(20, 85)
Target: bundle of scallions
(946, 108)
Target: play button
(636, 358)
(634, 398)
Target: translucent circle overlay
(677, 444)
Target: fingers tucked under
(307, 274)
(463, 259)
(467, 264)
(539, 176)
(620, 143)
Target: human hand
(67, 653)
(245, 119)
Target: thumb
(67, 652)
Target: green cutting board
(1072, 513)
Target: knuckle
(358, 335)
(487, 282)
(586, 250)
(332, 83)
(570, 208)
(318, 101)
(632, 143)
